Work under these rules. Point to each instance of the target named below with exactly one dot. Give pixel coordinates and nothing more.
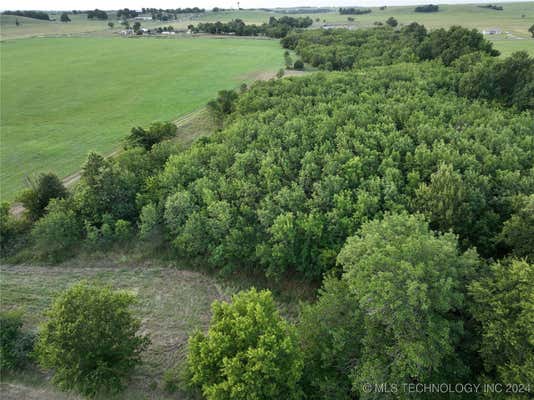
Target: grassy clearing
(63, 97)
(173, 303)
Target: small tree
(41, 191)
(299, 65)
(15, 344)
(249, 352)
(392, 22)
(531, 30)
(64, 17)
(90, 339)
(111, 25)
(147, 138)
(137, 26)
(280, 73)
(17, 23)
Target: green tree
(90, 339)
(409, 284)
(392, 22)
(64, 17)
(136, 26)
(35, 199)
(249, 352)
(518, 231)
(15, 344)
(503, 303)
(531, 30)
(156, 132)
(111, 25)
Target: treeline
(126, 13)
(29, 14)
(276, 27)
(194, 10)
(427, 8)
(97, 14)
(340, 49)
(354, 11)
(492, 7)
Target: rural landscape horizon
(267, 200)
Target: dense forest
(29, 14)
(401, 178)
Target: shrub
(249, 352)
(299, 65)
(15, 344)
(90, 339)
(36, 198)
(56, 233)
(156, 132)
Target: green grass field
(63, 97)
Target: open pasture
(63, 97)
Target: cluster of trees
(427, 8)
(354, 11)
(276, 27)
(126, 13)
(492, 7)
(407, 306)
(194, 10)
(97, 14)
(64, 17)
(29, 14)
(341, 49)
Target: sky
(208, 4)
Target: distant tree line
(354, 11)
(29, 14)
(492, 7)
(427, 8)
(97, 14)
(126, 13)
(276, 27)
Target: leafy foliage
(157, 132)
(276, 27)
(409, 285)
(15, 344)
(291, 177)
(35, 199)
(341, 49)
(249, 352)
(504, 306)
(90, 339)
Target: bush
(56, 233)
(90, 339)
(36, 198)
(156, 132)
(299, 65)
(249, 352)
(15, 345)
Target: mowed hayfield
(64, 97)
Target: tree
(17, 23)
(156, 132)
(55, 234)
(503, 305)
(299, 65)
(410, 285)
(137, 26)
(392, 22)
(111, 25)
(64, 17)
(249, 352)
(531, 30)
(15, 344)
(90, 339)
(518, 230)
(36, 198)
